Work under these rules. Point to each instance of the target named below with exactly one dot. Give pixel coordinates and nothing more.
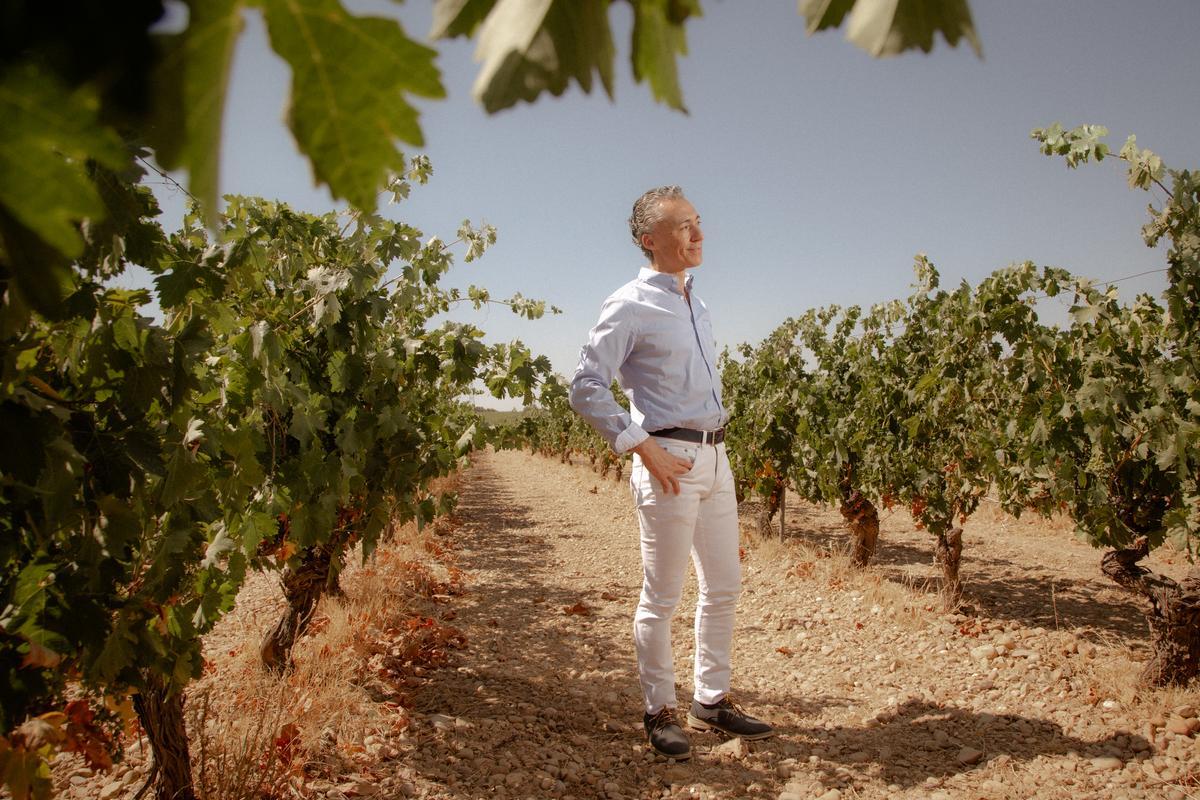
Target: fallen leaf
(787, 651)
(972, 628)
(46, 730)
(286, 743)
(87, 738)
(578, 608)
(608, 596)
(802, 570)
(41, 656)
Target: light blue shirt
(661, 351)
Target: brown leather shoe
(666, 736)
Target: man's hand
(665, 467)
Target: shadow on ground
(919, 740)
(996, 587)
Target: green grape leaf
(185, 478)
(191, 84)
(43, 276)
(1085, 313)
(25, 772)
(465, 442)
(350, 78)
(889, 27)
(822, 14)
(657, 38)
(127, 232)
(47, 135)
(453, 18)
(119, 650)
(527, 48)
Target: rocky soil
(874, 692)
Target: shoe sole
(683, 757)
(705, 725)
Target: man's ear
(648, 242)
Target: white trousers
(701, 523)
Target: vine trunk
(771, 506)
(947, 554)
(302, 587)
(1174, 614)
(160, 712)
(863, 521)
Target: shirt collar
(665, 280)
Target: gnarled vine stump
(863, 521)
(771, 506)
(302, 587)
(947, 554)
(1174, 614)
(160, 712)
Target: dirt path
(874, 694)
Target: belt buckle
(707, 437)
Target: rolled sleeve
(630, 438)
(609, 344)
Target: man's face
(676, 241)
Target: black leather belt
(689, 435)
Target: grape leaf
(453, 18)
(47, 134)
(530, 48)
(889, 27)
(822, 14)
(657, 37)
(350, 78)
(191, 84)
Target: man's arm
(609, 344)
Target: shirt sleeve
(609, 344)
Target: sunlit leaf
(889, 27)
(532, 46)
(351, 81)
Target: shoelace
(664, 717)
(728, 703)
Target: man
(655, 337)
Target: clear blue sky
(819, 172)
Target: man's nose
(697, 234)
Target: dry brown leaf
(41, 656)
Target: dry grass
(254, 732)
(906, 603)
(236, 754)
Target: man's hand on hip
(665, 468)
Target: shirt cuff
(629, 438)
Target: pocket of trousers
(688, 452)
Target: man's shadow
(918, 740)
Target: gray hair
(647, 212)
